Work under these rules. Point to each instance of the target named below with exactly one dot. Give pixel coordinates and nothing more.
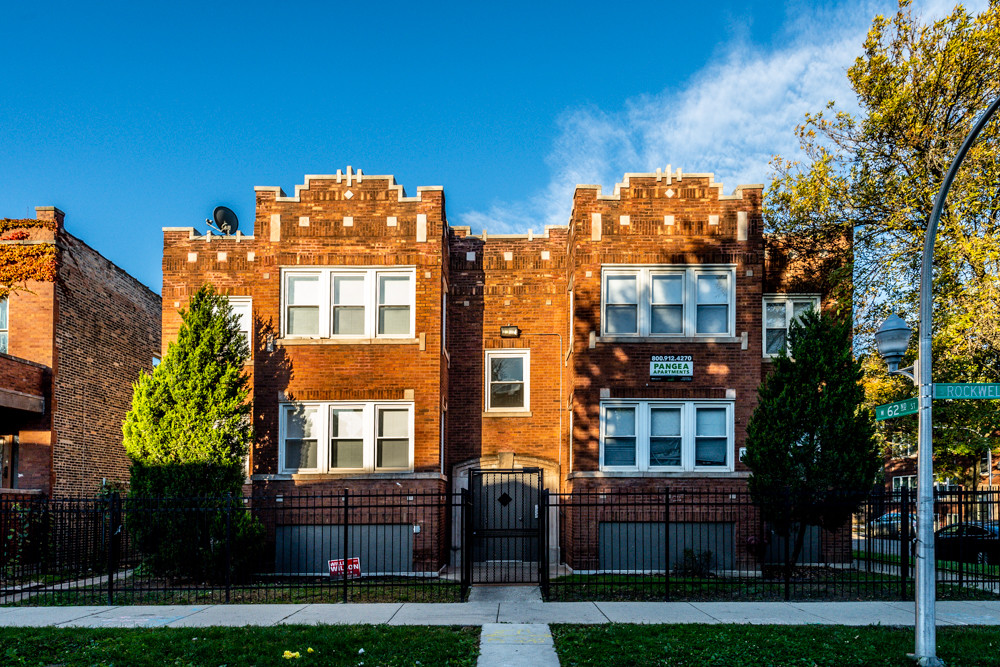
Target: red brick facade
(362, 222)
(465, 289)
(80, 341)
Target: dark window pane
(507, 369)
(710, 451)
(713, 319)
(347, 454)
(775, 341)
(667, 319)
(392, 453)
(349, 320)
(507, 395)
(300, 454)
(621, 319)
(619, 451)
(394, 320)
(303, 320)
(664, 451)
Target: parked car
(969, 541)
(889, 524)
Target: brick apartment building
(635, 336)
(70, 349)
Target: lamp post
(925, 652)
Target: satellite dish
(225, 220)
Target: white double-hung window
(666, 435)
(780, 310)
(242, 307)
(332, 437)
(3, 325)
(508, 380)
(348, 303)
(668, 300)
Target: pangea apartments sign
(671, 367)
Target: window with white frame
(346, 437)
(667, 300)
(904, 482)
(348, 303)
(508, 375)
(242, 307)
(666, 435)
(780, 310)
(3, 325)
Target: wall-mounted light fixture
(510, 331)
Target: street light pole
(926, 638)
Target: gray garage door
(641, 546)
(383, 549)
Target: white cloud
(732, 117)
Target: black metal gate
(507, 524)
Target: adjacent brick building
(635, 336)
(69, 351)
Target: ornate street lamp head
(892, 339)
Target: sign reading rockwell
(671, 367)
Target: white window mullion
(642, 437)
(690, 302)
(687, 437)
(369, 437)
(371, 310)
(323, 455)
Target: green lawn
(241, 647)
(745, 645)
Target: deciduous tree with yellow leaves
(920, 87)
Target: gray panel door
(506, 527)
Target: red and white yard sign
(353, 568)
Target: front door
(8, 461)
(506, 530)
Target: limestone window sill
(665, 340)
(498, 413)
(689, 474)
(291, 342)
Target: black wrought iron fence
(402, 545)
(384, 546)
(706, 545)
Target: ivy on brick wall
(8, 224)
(20, 263)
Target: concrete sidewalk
(482, 612)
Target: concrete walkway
(514, 620)
(482, 612)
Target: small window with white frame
(508, 380)
(3, 326)
(780, 310)
(242, 307)
(666, 436)
(342, 437)
(668, 300)
(348, 303)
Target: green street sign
(898, 409)
(967, 390)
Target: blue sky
(135, 116)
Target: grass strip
(241, 647)
(771, 645)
